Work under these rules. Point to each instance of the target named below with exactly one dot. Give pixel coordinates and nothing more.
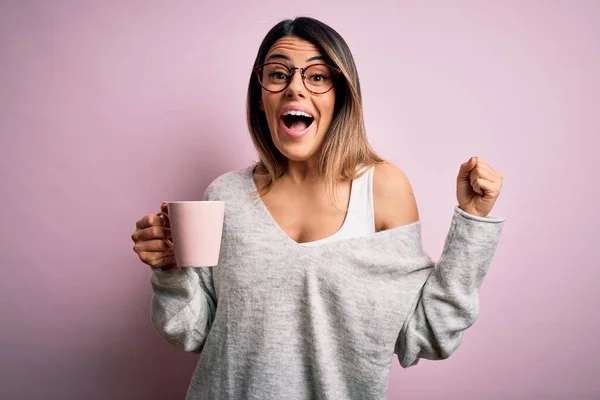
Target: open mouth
(297, 122)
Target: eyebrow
(284, 57)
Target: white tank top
(360, 218)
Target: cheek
(326, 110)
(269, 106)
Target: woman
(321, 277)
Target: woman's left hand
(477, 187)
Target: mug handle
(165, 217)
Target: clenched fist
(478, 187)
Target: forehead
(294, 47)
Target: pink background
(109, 107)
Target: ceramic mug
(196, 231)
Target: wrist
(165, 268)
(474, 217)
(472, 211)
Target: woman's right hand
(149, 241)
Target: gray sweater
(276, 320)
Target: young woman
(321, 277)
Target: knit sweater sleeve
(448, 302)
(184, 302)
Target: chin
(298, 151)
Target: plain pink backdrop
(109, 107)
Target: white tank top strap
(361, 215)
(360, 218)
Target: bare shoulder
(394, 201)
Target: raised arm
(449, 301)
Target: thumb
(466, 168)
(166, 221)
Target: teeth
(298, 113)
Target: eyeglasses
(317, 78)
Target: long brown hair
(345, 146)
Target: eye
(277, 76)
(317, 77)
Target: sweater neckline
(285, 239)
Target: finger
(150, 233)
(489, 173)
(164, 208)
(148, 221)
(481, 161)
(480, 172)
(485, 187)
(473, 177)
(466, 168)
(477, 187)
(150, 246)
(484, 166)
(493, 175)
(158, 260)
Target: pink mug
(196, 231)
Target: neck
(302, 171)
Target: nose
(296, 86)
